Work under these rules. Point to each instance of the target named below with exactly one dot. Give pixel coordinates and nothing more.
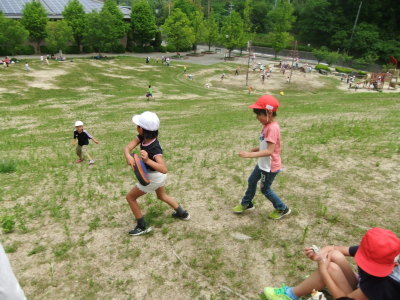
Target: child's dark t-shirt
(153, 149)
(83, 137)
(379, 288)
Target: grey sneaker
(139, 231)
(91, 162)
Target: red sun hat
(266, 102)
(377, 252)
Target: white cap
(78, 123)
(147, 120)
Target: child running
(149, 93)
(269, 159)
(83, 138)
(152, 155)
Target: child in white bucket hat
(147, 125)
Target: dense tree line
(326, 27)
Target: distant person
(269, 159)
(83, 138)
(237, 71)
(184, 69)
(149, 93)
(222, 76)
(27, 68)
(147, 59)
(378, 261)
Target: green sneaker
(276, 293)
(238, 209)
(278, 214)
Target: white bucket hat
(147, 120)
(78, 123)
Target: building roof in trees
(13, 8)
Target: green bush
(344, 70)
(72, 50)
(7, 224)
(322, 67)
(118, 48)
(87, 49)
(148, 49)
(25, 50)
(44, 50)
(171, 48)
(138, 49)
(160, 49)
(362, 73)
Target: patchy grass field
(64, 225)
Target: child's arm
(267, 152)
(94, 140)
(73, 142)
(158, 165)
(128, 149)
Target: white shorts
(157, 180)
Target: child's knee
(334, 268)
(337, 255)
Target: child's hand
(311, 254)
(245, 154)
(130, 161)
(144, 155)
(97, 142)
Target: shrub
(162, 49)
(344, 70)
(138, 49)
(87, 49)
(171, 48)
(148, 49)
(8, 224)
(25, 50)
(72, 50)
(362, 73)
(322, 67)
(118, 48)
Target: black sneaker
(139, 231)
(185, 216)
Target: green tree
(178, 30)
(211, 34)
(258, 16)
(187, 7)
(281, 18)
(105, 28)
(59, 35)
(12, 34)
(75, 16)
(281, 21)
(143, 23)
(199, 28)
(279, 40)
(34, 19)
(232, 32)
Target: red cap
(377, 252)
(266, 102)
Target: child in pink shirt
(269, 159)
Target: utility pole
(294, 53)
(209, 8)
(354, 27)
(248, 61)
(169, 8)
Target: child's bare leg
(338, 258)
(338, 269)
(86, 153)
(79, 151)
(131, 197)
(162, 195)
(314, 281)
